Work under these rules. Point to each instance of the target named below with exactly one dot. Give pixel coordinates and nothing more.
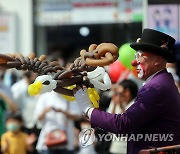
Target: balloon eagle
(85, 70)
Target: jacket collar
(153, 75)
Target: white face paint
(140, 71)
(139, 68)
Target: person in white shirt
(171, 68)
(56, 113)
(25, 102)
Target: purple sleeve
(147, 106)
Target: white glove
(83, 100)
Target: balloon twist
(98, 55)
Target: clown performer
(154, 118)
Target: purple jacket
(155, 115)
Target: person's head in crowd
(29, 76)
(14, 122)
(171, 68)
(67, 65)
(84, 124)
(57, 56)
(127, 90)
(2, 72)
(153, 51)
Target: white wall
(24, 23)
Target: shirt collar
(129, 104)
(150, 77)
(13, 134)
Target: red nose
(134, 63)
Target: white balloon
(98, 84)
(47, 88)
(107, 81)
(97, 73)
(100, 79)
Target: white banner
(55, 12)
(7, 33)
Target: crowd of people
(25, 121)
(30, 118)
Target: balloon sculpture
(83, 71)
(97, 76)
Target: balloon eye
(46, 82)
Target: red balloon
(115, 70)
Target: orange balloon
(134, 72)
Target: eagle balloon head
(42, 84)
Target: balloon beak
(35, 88)
(134, 63)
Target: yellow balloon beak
(35, 88)
(69, 98)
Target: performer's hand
(82, 99)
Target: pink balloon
(115, 70)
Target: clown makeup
(144, 64)
(139, 54)
(139, 67)
(140, 71)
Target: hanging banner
(164, 18)
(57, 12)
(7, 33)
